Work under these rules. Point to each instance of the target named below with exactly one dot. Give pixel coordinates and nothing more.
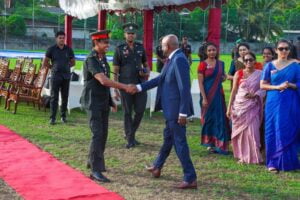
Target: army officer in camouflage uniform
(130, 67)
(96, 100)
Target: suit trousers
(98, 121)
(58, 83)
(174, 134)
(138, 103)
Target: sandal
(273, 170)
(211, 150)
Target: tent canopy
(83, 9)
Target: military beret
(100, 35)
(130, 27)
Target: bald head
(169, 44)
(171, 40)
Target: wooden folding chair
(18, 87)
(34, 91)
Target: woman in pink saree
(245, 110)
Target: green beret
(130, 27)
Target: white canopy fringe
(83, 9)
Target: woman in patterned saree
(215, 126)
(245, 110)
(281, 79)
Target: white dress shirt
(169, 57)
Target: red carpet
(37, 175)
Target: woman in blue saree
(215, 129)
(281, 79)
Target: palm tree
(256, 19)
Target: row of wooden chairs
(22, 83)
(5, 77)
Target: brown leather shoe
(185, 185)
(154, 171)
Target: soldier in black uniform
(131, 65)
(62, 59)
(161, 59)
(187, 49)
(96, 100)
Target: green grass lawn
(219, 177)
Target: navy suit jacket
(174, 88)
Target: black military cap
(130, 27)
(100, 35)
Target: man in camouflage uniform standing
(130, 67)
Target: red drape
(102, 20)
(68, 30)
(148, 35)
(214, 25)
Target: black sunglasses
(248, 60)
(283, 48)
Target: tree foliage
(16, 25)
(255, 20)
(251, 20)
(2, 25)
(50, 2)
(39, 14)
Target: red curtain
(214, 25)
(148, 35)
(102, 20)
(68, 30)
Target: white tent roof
(83, 9)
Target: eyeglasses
(283, 48)
(248, 60)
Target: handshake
(131, 89)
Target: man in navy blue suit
(174, 98)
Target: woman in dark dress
(215, 127)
